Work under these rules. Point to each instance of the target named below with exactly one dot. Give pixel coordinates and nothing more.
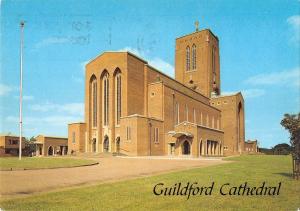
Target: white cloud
(294, 23)
(247, 93)
(51, 40)
(252, 93)
(163, 66)
(55, 120)
(156, 62)
(83, 64)
(28, 97)
(4, 89)
(228, 93)
(283, 78)
(25, 97)
(77, 79)
(69, 108)
(134, 51)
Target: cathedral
(133, 109)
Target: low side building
(51, 146)
(251, 147)
(9, 145)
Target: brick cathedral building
(134, 109)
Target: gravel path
(15, 183)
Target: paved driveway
(15, 183)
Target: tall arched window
(95, 103)
(118, 96)
(105, 99)
(177, 113)
(213, 65)
(187, 112)
(94, 100)
(194, 56)
(187, 58)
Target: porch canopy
(180, 134)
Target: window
(201, 119)
(194, 56)
(177, 113)
(118, 98)
(94, 98)
(187, 112)
(213, 65)
(187, 58)
(156, 135)
(218, 124)
(73, 137)
(213, 122)
(13, 142)
(194, 115)
(105, 99)
(207, 121)
(128, 133)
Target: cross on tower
(197, 25)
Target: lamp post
(21, 85)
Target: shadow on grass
(290, 175)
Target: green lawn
(137, 194)
(41, 162)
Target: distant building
(251, 146)
(9, 144)
(50, 146)
(135, 109)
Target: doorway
(172, 148)
(94, 145)
(50, 151)
(186, 148)
(118, 145)
(106, 144)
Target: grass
(137, 194)
(41, 162)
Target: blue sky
(259, 49)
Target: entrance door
(50, 151)
(186, 148)
(40, 150)
(118, 145)
(106, 144)
(200, 148)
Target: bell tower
(197, 62)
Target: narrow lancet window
(187, 58)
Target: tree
(291, 122)
(30, 145)
(282, 149)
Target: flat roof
(195, 32)
(46, 136)
(76, 123)
(10, 135)
(226, 95)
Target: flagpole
(21, 86)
